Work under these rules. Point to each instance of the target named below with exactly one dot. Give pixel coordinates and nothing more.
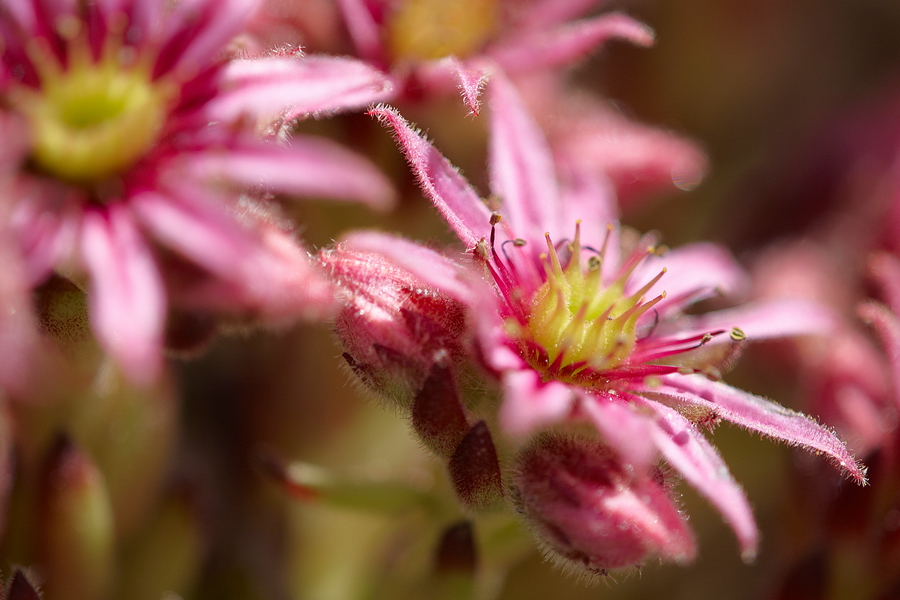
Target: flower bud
(475, 469)
(74, 539)
(393, 327)
(592, 512)
(20, 588)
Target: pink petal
(261, 272)
(691, 454)
(46, 237)
(568, 43)
(885, 268)
(764, 319)
(198, 31)
(196, 226)
(17, 331)
(624, 429)
(589, 198)
(529, 403)
(451, 194)
(305, 166)
(521, 166)
(126, 298)
(296, 87)
(472, 79)
(695, 272)
(432, 268)
(887, 325)
(763, 416)
(364, 31)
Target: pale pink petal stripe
(195, 225)
(303, 166)
(297, 87)
(761, 415)
(127, 301)
(451, 194)
(567, 44)
(529, 403)
(521, 167)
(363, 30)
(691, 454)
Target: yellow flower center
(575, 321)
(91, 118)
(431, 29)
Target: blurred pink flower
(136, 136)
(592, 326)
(433, 44)
(591, 134)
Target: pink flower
(430, 43)
(581, 320)
(137, 136)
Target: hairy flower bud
(393, 327)
(592, 512)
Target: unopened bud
(591, 512)
(437, 414)
(75, 545)
(455, 564)
(394, 328)
(20, 588)
(475, 469)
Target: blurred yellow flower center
(91, 118)
(431, 29)
(575, 321)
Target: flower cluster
(562, 371)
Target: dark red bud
(475, 469)
(437, 414)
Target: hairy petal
(127, 301)
(451, 194)
(296, 87)
(471, 78)
(700, 464)
(432, 268)
(521, 166)
(763, 416)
